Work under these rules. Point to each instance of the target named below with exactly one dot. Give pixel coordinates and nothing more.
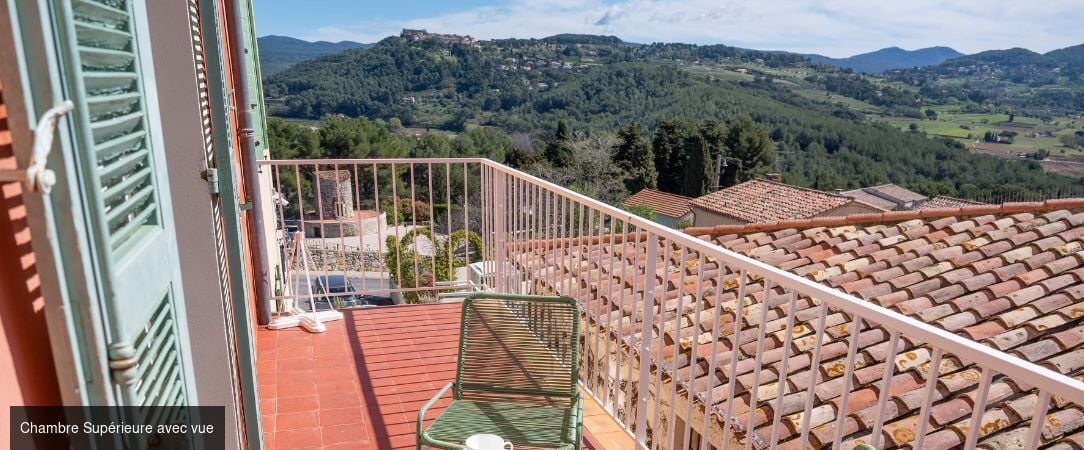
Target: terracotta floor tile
(296, 389)
(342, 416)
(295, 421)
(344, 387)
(361, 384)
(301, 438)
(285, 365)
(343, 434)
(298, 404)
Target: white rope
(38, 178)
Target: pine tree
(633, 154)
(752, 145)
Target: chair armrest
(428, 404)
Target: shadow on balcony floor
(360, 384)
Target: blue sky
(830, 27)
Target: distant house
(888, 197)
(759, 201)
(942, 201)
(669, 208)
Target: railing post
(642, 390)
(500, 183)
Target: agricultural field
(824, 96)
(969, 128)
(720, 73)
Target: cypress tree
(633, 154)
(698, 173)
(559, 149)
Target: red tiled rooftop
(1008, 276)
(662, 203)
(361, 384)
(765, 201)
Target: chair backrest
(518, 346)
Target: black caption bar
(105, 427)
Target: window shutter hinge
(211, 176)
(245, 206)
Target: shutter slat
(104, 83)
(130, 204)
(112, 192)
(105, 130)
(121, 235)
(152, 373)
(152, 329)
(127, 142)
(118, 165)
(98, 10)
(96, 59)
(100, 36)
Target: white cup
(487, 442)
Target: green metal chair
(516, 377)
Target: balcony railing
(662, 309)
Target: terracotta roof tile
(942, 202)
(992, 273)
(767, 201)
(662, 203)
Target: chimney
(775, 176)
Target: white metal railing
(538, 237)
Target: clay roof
(762, 200)
(943, 201)
(1008, 276)
(896, 192)
(663, 203)
(859, 194)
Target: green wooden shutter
(102, 48)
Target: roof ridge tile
(900, 216)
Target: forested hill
(278, 53)
(528, 87)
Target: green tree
(750, 143)
(931, 114)
(642, 211)
(559, 149)
(669, 148)
(450, 252)
(633, 154)
(699, 173)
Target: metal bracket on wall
(211, 176)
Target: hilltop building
(443, 39)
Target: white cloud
(831, 27)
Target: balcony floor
(360, 384)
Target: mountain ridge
(890, 58)
(278, 53)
